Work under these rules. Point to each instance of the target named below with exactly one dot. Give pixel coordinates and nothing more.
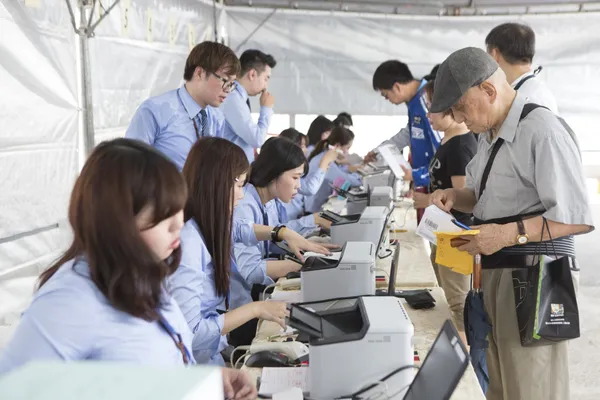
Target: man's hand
(237, 385)
(444, 199)
(267, 99)
(370, 157)
(408, 175)
(422, 200)
(491, 238)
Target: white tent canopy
(325, 64)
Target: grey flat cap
(462, 70)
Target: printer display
(354, 342)
(366, 227)
(351, 274)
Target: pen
(460, 225)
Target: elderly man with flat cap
(534, 172)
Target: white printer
(355, 342)
(366, 227)
(351, 274)
(382, 196)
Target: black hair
(256, 59)
(276, 156)
(339, 135)
(516, 42)
(317, 127)
(431, 76)
(293, 135)
(343, 119)
(389, 73)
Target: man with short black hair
(397, 84)
(173, 121)
(516, 203)
(512, 45)
(254, 80)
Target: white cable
(233, 353)
(244, 358)
(267, 288)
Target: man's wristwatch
(522, 237)
(275, 233)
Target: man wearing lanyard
(512, 45)
(239, 126)
(397, 85)
(173, 121)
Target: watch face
(522, 239)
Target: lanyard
(187, 358)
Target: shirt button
(426, 154)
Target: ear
(490, 90)
(252, 74)
(200, 72)
(495, 54)
(397, 87)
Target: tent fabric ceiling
(427, 7)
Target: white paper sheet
(275, 380)
(334, 255)
(394, 161)
(435, 220)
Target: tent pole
(86, 84)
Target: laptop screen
(445, 364)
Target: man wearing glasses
(239, 126)
(173, 121)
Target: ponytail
(431, 76)
(318, 149)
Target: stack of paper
(275, 380)
(435, 220)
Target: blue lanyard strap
(187, 357)
(266, 223)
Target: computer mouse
(293, 275)
(267, 358)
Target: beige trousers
(516, 372)
(456, 287)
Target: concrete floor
(584, 356)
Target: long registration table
(414, 271)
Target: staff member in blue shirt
(254, 80)
(215, 173)
(173, 121)
(311, 183)
(397, 85)
(104, 299)
(340, 139)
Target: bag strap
(527, 108)
(523, 81)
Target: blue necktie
(203, 123)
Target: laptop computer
(442, 369)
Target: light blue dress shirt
(315, 202)
(70, 319)
(239, 125)
(251, 260)
(193, 287)
(166, 123)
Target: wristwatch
(275, 237)
(522, 237)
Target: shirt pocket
(504, 187)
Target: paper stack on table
(276, 380)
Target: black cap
(462, 70)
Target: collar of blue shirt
(241, 90)
(188, 102)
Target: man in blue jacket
(397, 85)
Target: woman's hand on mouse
(275, 311)
(238, 385)
(297, 243)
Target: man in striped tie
(173, 121)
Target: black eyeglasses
(227, 84)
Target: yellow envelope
(451, 257)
